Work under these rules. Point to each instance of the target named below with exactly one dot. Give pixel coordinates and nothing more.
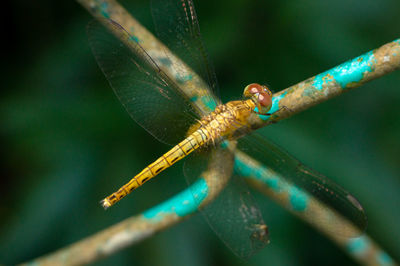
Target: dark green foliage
(67, 142)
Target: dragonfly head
(261, 96)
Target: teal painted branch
(333, 82)
(126, 233)
(190, 83)
(137, 228)
(311, 210)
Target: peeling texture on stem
(363, 248)
(334, 82)
(136, 228)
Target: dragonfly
(150, 87)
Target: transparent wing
(178, 28)
(270, 156)
(151, 98)
(233, 215)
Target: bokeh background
(66, 141)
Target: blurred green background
(67, 142)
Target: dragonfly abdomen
(197, 139)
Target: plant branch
(320, 216)
(334, 82)
(136, 228)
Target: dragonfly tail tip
(105, 204)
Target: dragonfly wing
(151, 98)
(233, 214)
(180, 32)
(301, 179)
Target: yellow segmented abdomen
(188, 145)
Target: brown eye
(262, 94)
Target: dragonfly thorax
(226, 120)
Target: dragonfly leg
(283, 107)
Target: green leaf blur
(67, 142)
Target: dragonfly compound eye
(259, 93)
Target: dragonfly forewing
(151, 98)
(180, 32)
